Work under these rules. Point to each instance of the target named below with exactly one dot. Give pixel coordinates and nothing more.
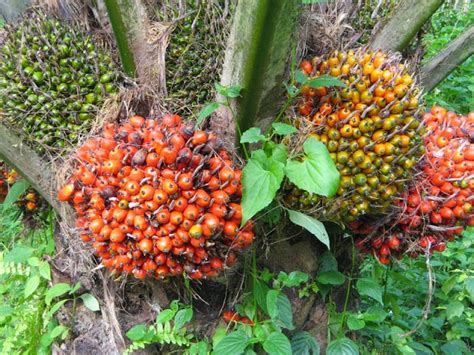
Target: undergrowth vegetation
(28, 303)
(456, 92)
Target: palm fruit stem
(448, 59)
(258, 47)
(118, 10)
(405, 21)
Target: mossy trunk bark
(141, 44)
(11, 9)
(403, 24)
(455, 53)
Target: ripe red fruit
(393, 242)
(66, 192)
(230, 316)
(384, 250)
(145, 245)
(440, 247)
(153, 197)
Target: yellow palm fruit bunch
(371, 127)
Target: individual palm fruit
(196, 50)
(371, 127)
(53, 80)
(158, 198)
(438, 204)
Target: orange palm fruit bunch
(371, 127)
(438, 205)
(158, 198)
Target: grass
(24, 281)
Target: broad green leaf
(327, 262)
(33, 261)
(375, 314)
(342, 346)
(260, 292)
(454, 309)
(57, 331)
(370, 288)
(74, 288)
(18, 254)
(15, 192)
(419, 348)
(455, 347)
(296, 278)
(311, 224)
(285, 316)
(218, 335)
(250, 310)
(165, 316)
(301, 77)
(31, 285)
(45, 270)
(206, 112)
(233, 343)
(272, 297)
(283, 129)
(279, 309)
(405, 349)
(56, 291)
(182, 317)
(252, 135)
(354, 322)
(277, 344)
(316, 173)
(449, 284)
(262, 177)
(469, 284)
(90, 302)
(137, 332)
(55, 307)
(276, 151)
(198, 348)
(304, 343)
(231, 91)
(396, 335)
(324, 81)
(331, 278)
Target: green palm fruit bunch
(196, 50)
(53, 80)
(371, 127)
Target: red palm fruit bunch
(439, 204)
(28, 200)
(158, 198)
(370, 126)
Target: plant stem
(349, 283)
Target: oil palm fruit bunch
(438, 205)
(371, 127)
(28, 200)
(53, 80)
(196, 50)
(158, 198)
